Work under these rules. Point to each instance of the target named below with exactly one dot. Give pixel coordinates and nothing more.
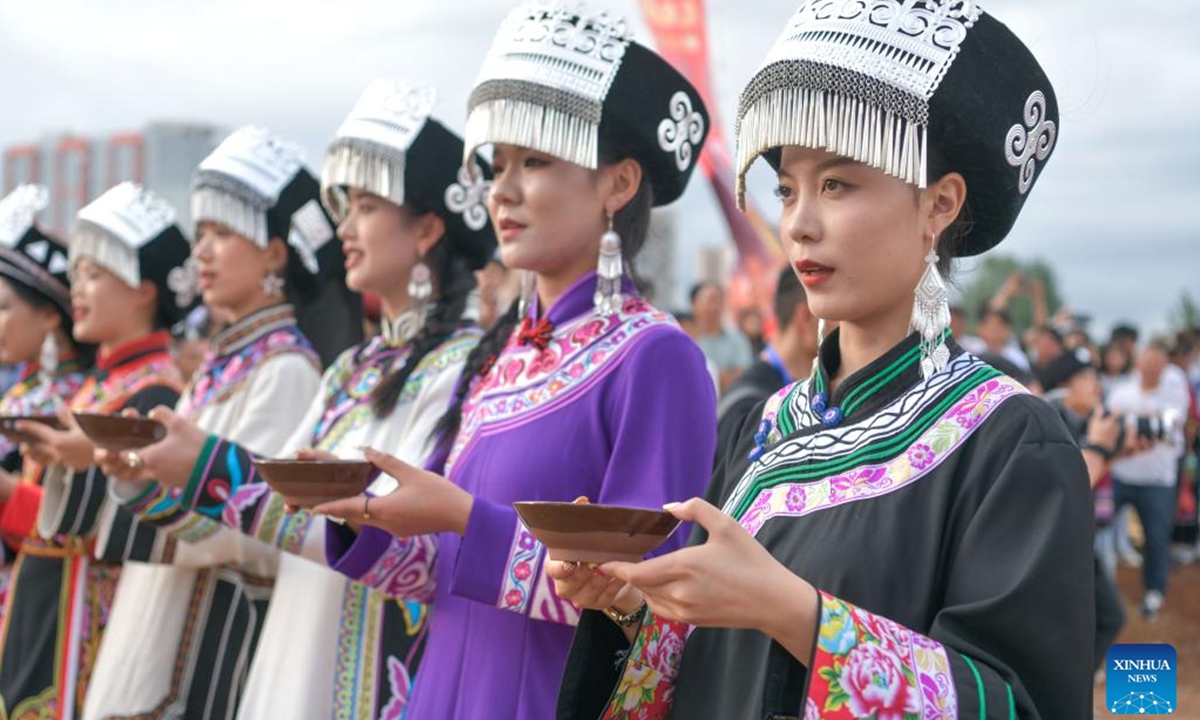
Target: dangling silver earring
(528, 287)
(48, 359)
(931, 315)
(609, 270)
(420, 292)
(272, 285)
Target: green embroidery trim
(979, 682)
(870, 387)
(1012, 704)
(193, 484)
(879, 451)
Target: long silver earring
(528, 287)
(420, 292)
(272, 285)
(931, 315)
(48, 358)
(609, 270)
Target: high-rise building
(77, 169)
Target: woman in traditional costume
(35, 333)
(414, 230)
(580, 389)
(181, 635)
(127, 286)
(907, 532)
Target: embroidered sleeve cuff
(865, 665)
(396, 567)
(490, 558)
(647, 685)
(163, 508)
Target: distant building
(76, 169)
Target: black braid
(456, 281)
(482, 355)
(631, 222)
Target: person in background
(35, 335)
(750, 322)
(787, 357)
(1078, 402)
(128, 286)
(1047, 346)
(189, 341)
(1115, 365)
(497, 288)
(958, 323)
(1145, 477)
(995, 330)
(727, 349)
(1125, 335)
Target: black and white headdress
(390, 146)
(131, 232)
(558, 79)
(915, 88)
(256, 185)
(27, 255)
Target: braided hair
(456, 281)
(631, 222)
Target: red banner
(680, 31)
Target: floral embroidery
(523, 558)
(647, 685)
(270, 333)
(866, 666)
(920, 456)
(863, 483)
(527, 381)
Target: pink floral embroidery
(871, 481)
(971, 410)
(845, 486)
(528, 381)
(867, 666)
(647, 686)
(920, 456)
(524, 556)
(873, 679)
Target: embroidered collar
(871, 387)
(252, 327)
(402, 329)
(153, 344)
(575, 301)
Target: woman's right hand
(169, 461)
(584, 587)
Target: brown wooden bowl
(116, 432)
(8, 426)
(308, 483)
(596, 533)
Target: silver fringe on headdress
(358, 164)
(220, 199)
(106, 250)
(854, 78)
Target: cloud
(1113, 211)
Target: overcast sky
(1115, 211)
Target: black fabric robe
(947, 524)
